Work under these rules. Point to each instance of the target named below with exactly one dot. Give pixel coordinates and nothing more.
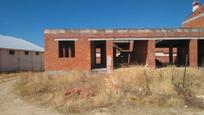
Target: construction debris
(79, 91)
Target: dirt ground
(138, 110)
(10, 104)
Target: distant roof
(9, 42)
(199, 11)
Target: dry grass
(4, 77)
(133, 85)
(8, 76)
(49, 90)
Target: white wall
(37, 61)
(25, 61)
(9, 62)
(20, 61)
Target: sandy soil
(139, 110)
(11, 104)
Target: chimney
(195, 5)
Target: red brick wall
(80, 61)
(109, 52)
(193, 53)
(140, 52)
(198, 23)
(151, 54)
(193, 44)
(144, 52)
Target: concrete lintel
(178, 38)
(130, 39)
(120, 31)
(66, 39)
(100, 39)
(121, 41)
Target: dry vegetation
(8, 76)
(79, 91)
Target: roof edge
(34, 47)
(86, 31)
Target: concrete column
(193, 53)
(151, 53)
(170, 55)
(109, 55)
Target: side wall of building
(20, 62)
(9, 62)
(197, 23)
(38, 61)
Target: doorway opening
(201, 53)
(172, 52)
(98, 54)
(122, 52)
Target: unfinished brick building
(89, 49)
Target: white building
(19, 55)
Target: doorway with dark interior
(201, 53)
(98, 54)
(172, 52)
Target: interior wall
(162, 55)
(180, 48)
(140, 50)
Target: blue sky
(28, 18)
